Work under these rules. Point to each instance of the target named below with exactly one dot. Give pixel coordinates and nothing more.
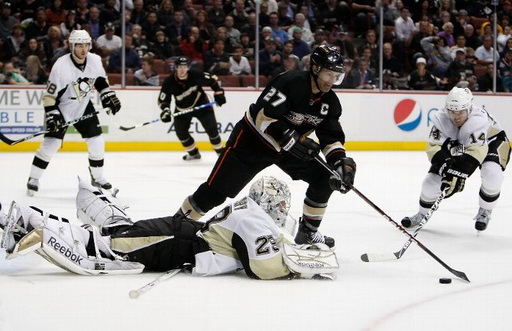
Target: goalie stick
(457, 273)
(134, 294)
(396, 255)
(128, 128)
(14, 142)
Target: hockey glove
(453, 180)
(346, 171)
(54, 120)
(110, 100)
(302, 148)
(220, 98)
(165, 115)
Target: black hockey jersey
(187, 93)
(288, 103)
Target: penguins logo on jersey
(82, 87)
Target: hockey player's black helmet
(182, 61)
(327, 57)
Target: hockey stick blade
(397, 255)
(128, 128)
(14, 142)
(457, 273)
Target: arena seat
(250, 81)
(229, 80)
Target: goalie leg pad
(310, 260)
(95, 207)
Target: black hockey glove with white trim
(220, 98)
(54, 120)
(165, 115)
(302, 148)
(110, 100)
(346, 171)
(455, 176)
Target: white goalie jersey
(70, 87)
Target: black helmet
(182, 60)
(327, 57)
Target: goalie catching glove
(54, 120)
(165, 115)
(346, 171)
(302, 148)
(110, 100)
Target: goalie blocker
(241, 236)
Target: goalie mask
(273, 196)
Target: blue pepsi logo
(407, 115)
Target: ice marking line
(377, 322)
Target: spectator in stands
(309, 10)
(266, 34)
(232, 32)
(58, 53)
(39, 27)
(138, 12)
(460, 43)
(421, 78)
(485, 53)
(206, 29)
(361, 9)
(287, 48)
(139, 42)
(373, 62)
(108, 12)
(278, 34)
(485, 82)
(27, 9)
(108, 42)
(283, 17)
(239, 14)
(248, 46)
(361, 77)
(505, 63)
(370, 41)
(16, 40)
(7, 21)
(82, 11)
(32, 47)
(69, 24)
(239, 65)
(250, 28)
(320, 38)
(216, 61)
(421, 32)
(35, 72)
(11, 75)
(490, 24)
(216, 14)
(390, 13)
(94, 22)
(264, 14)
(165, 13)
(345, 46)
(507, 82)
(53, 41)
(150, 26)
(471, 35)
(508, 45)
(132, 59)
(444, 17)
(504, 37)
(270, 58)
(447, 33)
(331, 13)
(390, 61)
(459, 69)
(222, 33)
(177, 30)
(291, 8)
(146, 76)
(189, 11)
(306, 61)
(290, 62)
(55, 13)
(404, 27)
(438, 53)
(307, 35)
(128, 25)
(300, 47)
(5, 51)
(194, 46)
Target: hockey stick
(14, 142)
(457, 273)
(396, 255)
(128, 128)
(134, 294)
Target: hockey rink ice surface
(394, 295)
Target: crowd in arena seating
(428, 45)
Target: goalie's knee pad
(95, 207)
(310, 260)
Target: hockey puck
(445, 280)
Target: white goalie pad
(99, 208)
(310, 260)
(64, 245)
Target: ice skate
(192, 157)
(32, 186)
(482, 219)
(306, 235)
(410, 222)
(97, 180)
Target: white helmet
(79, 37)
(273, 196)
(459, 99)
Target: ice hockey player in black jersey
(274, 131)
(186, 85)
(68, 97)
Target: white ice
(395, 295)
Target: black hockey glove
(110, 100)
(220, 98)
(165, 115)
(54, 120)
(346, 171)
(304, 149)
(453, 180)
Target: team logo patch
(407, 115)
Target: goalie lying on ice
(249, 234)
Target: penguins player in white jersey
(464, 137)
(68, 97)
(250, 234)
